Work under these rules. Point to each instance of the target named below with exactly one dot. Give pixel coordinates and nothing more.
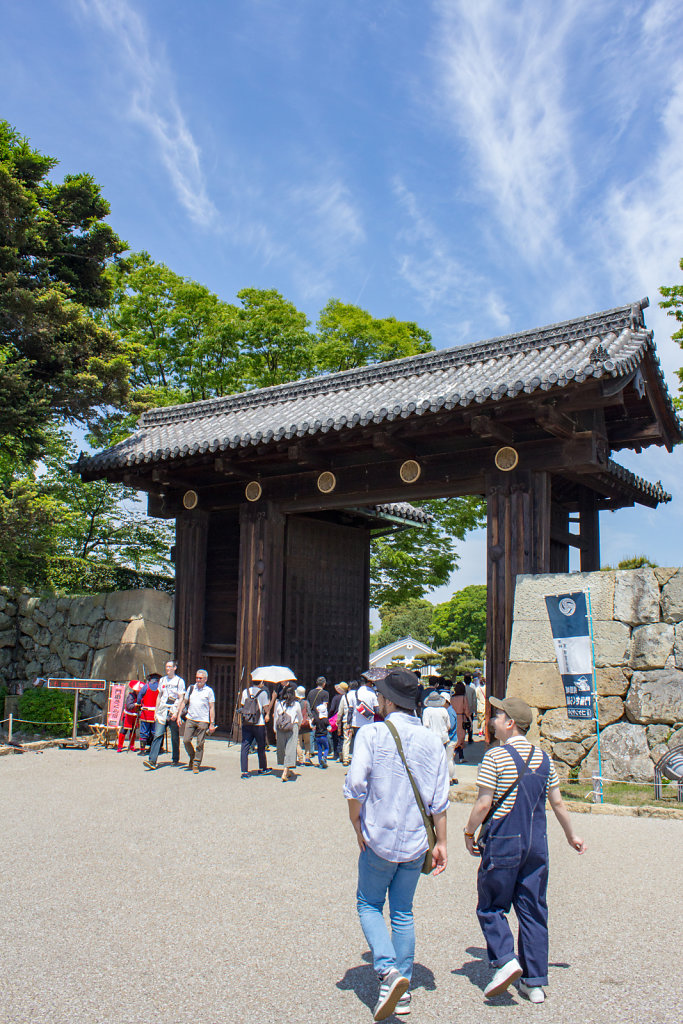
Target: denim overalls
(514, 871)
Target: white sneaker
(534, 993)
(392, 987)
(403, 1005)
(503, 978)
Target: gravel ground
(135, 897)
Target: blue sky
(478, 167)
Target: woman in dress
(460, 705)
(288, 718)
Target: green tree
(462, 618)
(57, 364)
(454, 659)
(55, 515)
(673, 304)
(413, 618)
(348, 336)
(274, 338)
(409, 563)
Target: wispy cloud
(154, 103)
(500, 83)
(429, 266)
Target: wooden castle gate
(276, 493)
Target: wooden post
(259, 602)
(518, 541)
(190, 573)
(589, 526)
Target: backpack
(251, 710)
(186, 705)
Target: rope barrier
(29, 721)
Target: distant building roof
(608, 344)
(385, 654)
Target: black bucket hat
(400, 687)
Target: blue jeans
(322, 745)
(159, 730)
(376, 877)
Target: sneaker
(244, 775)
(150, 764)
(503, 978)
(534, 993)
(195, 769)
(392, 986)
(265, 771)
(402, 1007)
(190, 764)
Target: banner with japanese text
(570, 627)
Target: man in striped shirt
(514, 781)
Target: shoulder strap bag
(480, 840)
(427, 866)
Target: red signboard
(115, 706)
(77, 684)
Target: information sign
(117, 693)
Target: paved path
(241, 894)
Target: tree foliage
(412, 618)
(462, 618)
(410, 563)
(56, 362)
(54, 515)
(673, 304)
(348, 336)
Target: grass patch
(624, 793)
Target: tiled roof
(403, 510)
(611, 343)
(629, 480)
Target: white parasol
(273, 674)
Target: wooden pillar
(518, 541)
(589, 527)
(190, 574)
(259, 601)
(559, 550)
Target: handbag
(283, 723)
(428, 864)
(480, 839)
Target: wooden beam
(566, 537)
(486, 426)
(554, 421)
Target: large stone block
(651, 645)
(625, 755)
(148, 633)
(672, 598)
(570, 753)
(29, 627)
(78, 634)
(538, 683)
(531, 641)
(121, 662)
(79, 610)
(612, 643)
(655, 696)
(612, 681)
(8, 637)
(6, 620)
(531, 591)
(663, 575)
(150, 605)
(558, 728)
(657, 735)
(636, 596)
(678, 645)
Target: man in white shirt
(391, 833)
(171, 690)
(200, 702)
(366, 705)
(435, 717)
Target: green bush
(49, 706)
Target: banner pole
(595, 694)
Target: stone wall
(113, 636)
(638, 633)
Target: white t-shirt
(367, 696)
(170, 690)
(438, 721)
(293, 712)
(198, 707)
(261, 696)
